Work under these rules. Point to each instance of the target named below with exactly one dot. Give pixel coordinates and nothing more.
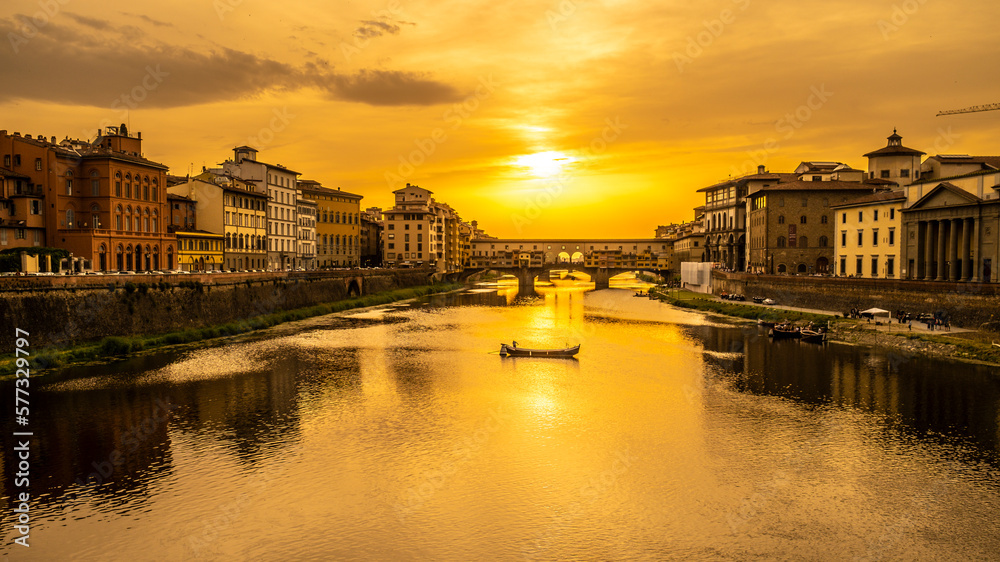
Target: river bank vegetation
(120, 346)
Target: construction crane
(973, 109)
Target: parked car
(768, 301)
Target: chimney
(27, 136)
(760, 169)
(17, 134)
(53, 139)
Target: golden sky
(539, 119)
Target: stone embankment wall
(967, 304)
(66, 310)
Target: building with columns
(953, 232)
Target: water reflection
(398, 433)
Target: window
(6, 160)
(69, 183)
(69, 218)
(843, 238)
(822, 219)
(802, 219)
(781, 241)
(874, 267)
(875, 214)
(781, 219)
(95, 184)
(823, 241)
(892, 213)
(38, 164)
(904, 173)
(861, 216)
(861, 234)
(890, 266)
(17, 159)
(857, 267)
(805, 201)
(19, 234)
(884, 173)
(843, 219)
(35, 208)
(781, 201)
(817, 178)
(892, 236)
(875, 237)
(843, 266)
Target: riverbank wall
(74, 309)
(968, 305)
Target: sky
(561, 118)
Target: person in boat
(515, 345)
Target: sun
(544, 164)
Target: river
(398, 433)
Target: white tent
(875, 311)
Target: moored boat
(765, 323)
(514, 351)
(812, 336)
(784, 332)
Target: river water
(399, 434)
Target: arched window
(118, 184)
(229, 241)
(802, 219)
(69, 182)
(803, 242)
(337, 217)
(781, 241)
(154, 190)
(145, 188)
(118, 218)
(69, 218)
(95, 216)
(781, 268)
(822, 220)
(154, 224)
(801, 268)
(145, 221)
(781, 219)
(823, 241)
(128, 218)
(95, 183)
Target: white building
(280, 184)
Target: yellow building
(338, 225)
(199, 250)
(868, 230)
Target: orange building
(103, 201)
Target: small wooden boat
(812, 336)
(765, 323)
(784, 332)
(514, 351)
(995, 344)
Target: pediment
(945, 195)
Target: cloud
(70, 63)
(378, 28)
(148, 19)
(387, 87)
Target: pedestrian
(911, 326)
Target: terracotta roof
(327, 191)
(880, 197)
(880, 181)
(894, 151)
(11, 174)
(991, 161)
(985, 172)
(800, 185)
